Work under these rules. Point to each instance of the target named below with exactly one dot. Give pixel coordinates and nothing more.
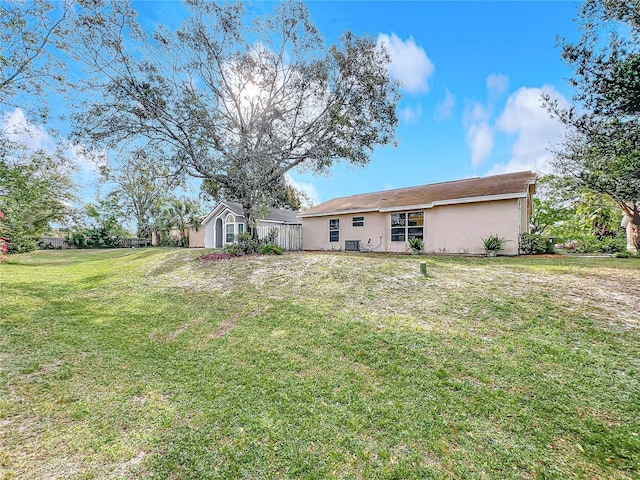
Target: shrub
(590, 244)
(21, 244)
(270, 249)
(416, 244)
(613, 245)
(233, 249)
(534, 244)
(493, 243)
(247, 243)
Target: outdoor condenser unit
(352, 245)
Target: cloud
(308, 188)
(480, 140)
(475, 112)
(17, 128)
(536, 130)
(497, 84)
(479, 134)
(411, 115)
(409, 62)
(444, 108)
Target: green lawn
(148, 363)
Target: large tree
(236, 101)
(32, 35)
(602, 148)
(142, 185)
(35, 191)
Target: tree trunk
(247, 211)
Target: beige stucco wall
(196, 238)
(315, 231)
(461, 228)
(447, 229)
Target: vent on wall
(352, 245)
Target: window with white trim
(407, 225)
(230, 226)
(334, 230)
(357, 221)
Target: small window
(358, 221)
(229, 232)
(241, 228)
(334, 230)
(398, 227)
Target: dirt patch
(229, 323)
(173, 335)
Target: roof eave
(423, 206)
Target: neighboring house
(226, 221)
(451, 217)
(631, 231)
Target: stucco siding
(315, 232)
(196, 238)
(461, 228)
(447, 229)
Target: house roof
(276, 215)
(496, 187)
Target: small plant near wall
(416, 245)
(493, 244)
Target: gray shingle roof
(274, 214)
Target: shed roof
(278, 215)
(496, 187)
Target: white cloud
(480, 140)
(497, 84)
(479, 134)
(536, 130)
(17, 127)
(444, 108)
(411, 115)
(308, 188)
(409, 62)
(475, 112)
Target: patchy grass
(150, 363)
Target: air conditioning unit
(352, 245)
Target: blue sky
(473, 73)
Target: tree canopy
(236, 101)
(35, 190)
(602, 148)
(32, 32)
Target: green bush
(21, 244)
(416, 244)
(233, 249)
(591, 244)
(534, 244)
(613, 245)
(493, 243)
(270, 249)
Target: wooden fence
(57, 243)
(288, 237)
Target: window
(358, 221)
(334, 230)
(230, 225)
(405, 226)
(398, 227)
(241, 228)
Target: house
(451, 217)
(226, 221)
(632, 232)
